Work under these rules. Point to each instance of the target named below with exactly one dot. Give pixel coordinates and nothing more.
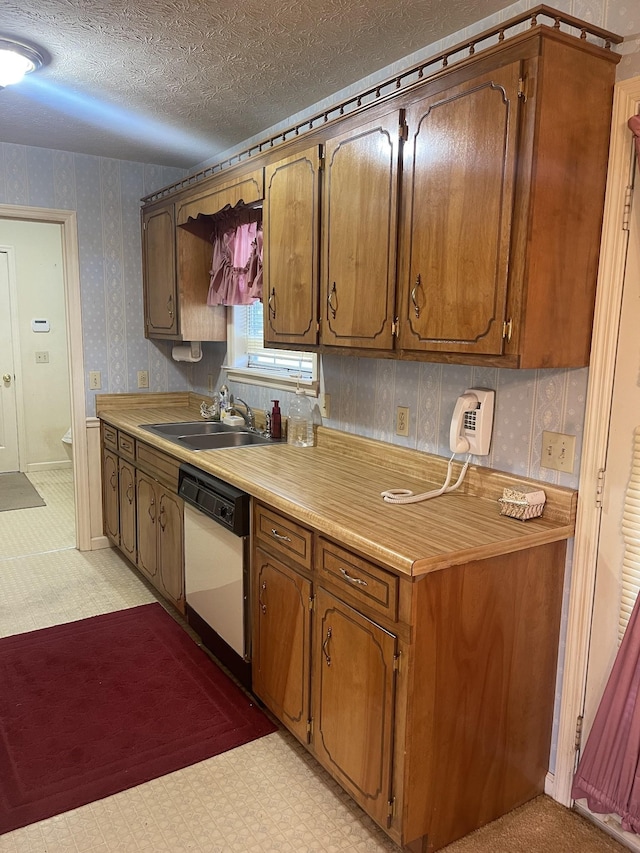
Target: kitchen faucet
(248, 416)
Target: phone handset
(467, 402)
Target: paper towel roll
(187, 352)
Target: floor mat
(93, 707)
(16, 492)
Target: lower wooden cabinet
(110, 496)
(127, 500)
(141, 516)
(282, 637)
(430, 700)
(160, 538)
(354, 701)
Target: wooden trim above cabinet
(212, 198)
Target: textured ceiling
(175, 82)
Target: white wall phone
(470, 432)
(472, 422)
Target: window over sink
(249, 361)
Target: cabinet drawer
(359, 581)
(283, 535)
(163, 468)
(126, 446)
(110, 437)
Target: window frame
(236, 363)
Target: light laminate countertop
(335, 489)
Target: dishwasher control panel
(216, 498)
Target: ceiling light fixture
(18, 58)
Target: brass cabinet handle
(151, 506)
(170, 306)
(113, 480)
(130, 493)
(418, 284)
(162, 517)
(279, 536)
(351, 579)
(271, 303)
(325, 647)
(330, 305)
(263, 606)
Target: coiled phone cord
(405, 496)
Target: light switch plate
(94, 380)
(143, 379)
(558, 451)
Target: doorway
(72, 308)
(586, 628)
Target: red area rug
(94, 707)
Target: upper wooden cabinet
(459, 179)
(503, 197)
(457, 219)
(176, 252)
(359, 235)
(159, 271)
(291, 234)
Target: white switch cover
(143, 379)
(558, 451)
(94, 380)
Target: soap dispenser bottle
(300, 424)
(276, 420)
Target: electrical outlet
(94, 380)
(325, 409)
(42, 358)
(402, 420)
(558, 451)
(143, 379)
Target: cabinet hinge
(600, 487)
(522, 89)
(403, 131)
(626, 213)
(578, 740)
(394, 328)
(309, 729)
(321, 161)
(396, 662)
(507, 329)
(311, 603)
(318, 326)
(391, 810)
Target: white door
(8, 418)
(625, 417)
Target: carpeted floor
(97, 706)
(540, 826)
(16, 492)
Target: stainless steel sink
(207, 435)
(188, 428)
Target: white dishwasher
(216, 567)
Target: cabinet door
(159, 270)
(359, 233)
(110, 496)
(127, 510)
(147, 516)
(170, 576)
(291, 236)
(353, 702)
(458, 188)
(281, 641)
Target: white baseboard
(609, 823)
(550, 784)
(98, 542)
(32, 467)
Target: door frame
(596, 434)
(15, 350)
(73, 312)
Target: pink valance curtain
(634, 127)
